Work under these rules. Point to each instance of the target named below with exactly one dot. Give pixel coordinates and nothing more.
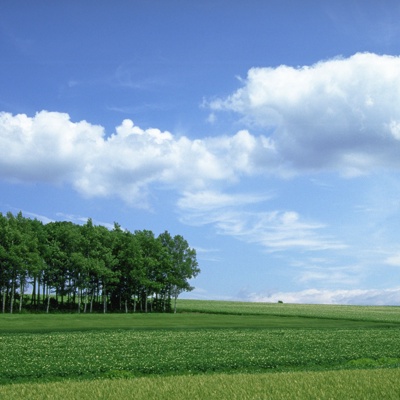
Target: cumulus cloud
(340, 114)
(50, 147)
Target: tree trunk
(91, 303)
(48, 300)
(86, 301)
(38, 293)
(21, 297)
(4, 300)
(104, 301)
(126, 306)
(79, 300)
(175, 297)
(33, 298)
(12, 297)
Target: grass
(359, 384)
(320, 311)
(212, 349)
(42, 323)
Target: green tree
(82, 262)
(150, 253)
(129, 264)
(182, 267)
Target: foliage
(85, 268)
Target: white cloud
(207, 200)
(394, 127)
(50, 147)
(42, 218)
(327, 275)
(326, 296)
(274, 230)
(393, 260)
(339, 114)
(80, 220)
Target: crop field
(343, 312)
(207, 343)
(356, 384)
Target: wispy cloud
(208, 200)
(25, 45)
(212, 255)
(331, 275)
(78, 219)
(42, 218)
(393, 260)
(274, 230)
(136, 109)
(128, 75)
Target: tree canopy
(62, 266)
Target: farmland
(342, 312)
(206, 339)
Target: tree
(100, 260)
(183, 262)
(82, 262)
(129, 264)
(150, 252)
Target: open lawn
(208, 344)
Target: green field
(357, 384)
(342, 312)
(206, 344)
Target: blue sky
(267, 133)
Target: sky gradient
(267, 133)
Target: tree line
(89, 268)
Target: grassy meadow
(209, 349)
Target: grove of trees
(62, 266)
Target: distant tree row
(88, 268)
